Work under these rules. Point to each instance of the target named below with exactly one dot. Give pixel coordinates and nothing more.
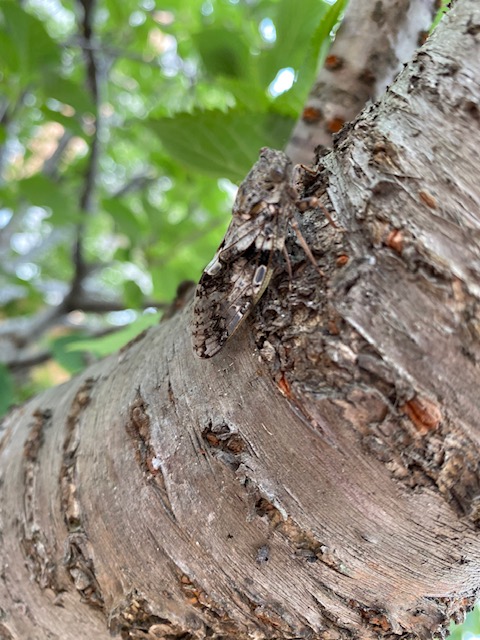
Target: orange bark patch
(395, 240)
(284, 387)
(334, 125)
(424, 414)
(427, 199)
(333, 63)
(311, 115)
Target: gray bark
(373, 42)
(319, 478)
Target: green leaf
(295, 26)
(122, 254)
(248, 95)
(470, 629)
(114, 341)
(125, 219)
(314, 56)
(222, 144)
(224, 52)
(132, 294)
(442, 10)
(71, 123)
(68, 92)
(71, 361)
(41, 191)
(25, 46)
(6, 389)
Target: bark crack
(139, 430)
(36, 547)
(78, 556)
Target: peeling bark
(319, 478)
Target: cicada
(237, 276)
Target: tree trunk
(319, 478)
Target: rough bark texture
(373, 42)
(319, 478)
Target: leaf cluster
(186, 94)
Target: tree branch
(135, 184)
(358, 67)
(51, 163)
(7, 119)
(97, 305)
(88, 191)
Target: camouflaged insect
(235, 279)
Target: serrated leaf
(294, 28)
(314, 55)
(222, 144)
(248, 95)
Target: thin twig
(135, 184)
(88, 191)
(50, 166)
(97, 305)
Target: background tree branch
(359, 67)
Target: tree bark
(319, 478)
(359, 67)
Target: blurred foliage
(442, 10)
(470, 629)
(6, 389)
(187, 94)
